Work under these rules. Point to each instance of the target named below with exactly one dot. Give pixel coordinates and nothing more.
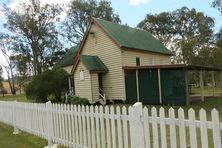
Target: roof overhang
(174, 66)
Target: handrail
(103, 95)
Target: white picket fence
(109, 127)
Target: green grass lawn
(207, 90)
(19, 98)
(208, 105)
(21, 140)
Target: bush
(50, 85)
(77, 100)
(3, 92)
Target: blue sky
(131, 12)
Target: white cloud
(16, 4)
(138, 2)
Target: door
(100, 78)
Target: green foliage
(218, 5)
(77, 100)
(79, 14)
(49, 83)
(36, 34)
(185, 31)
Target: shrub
(77, 100)
(50, 84)
(3, 92)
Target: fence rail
(109, 127)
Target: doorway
(100, 78)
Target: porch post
(187, 89)
(159, 86)
(213, 81)
(69, 83)
(221, 78)
(202, 86)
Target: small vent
(92, 34)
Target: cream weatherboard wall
(146, 58)
(68, 69)
(102, 46)
(83, 87)
(95, 86)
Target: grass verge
(21, 140)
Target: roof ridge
(129, 37)
(145, 31)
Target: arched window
(81, 74)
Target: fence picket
(154, 127)
(146, 128)
(80, 126)
(97, 127)
(173, 143)
(163, 128)
(113, 129)
(66, 125)
(192, 128)
(88, 127)
(119, 127)
(92, 127)
(108, 138)
(73, 126)
(216, 128)
(56, 122)
(182, 130)
(76, 126)
(102, 126)
(84, 125)
(203, 129)
(125, 128)
(69, 126)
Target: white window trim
(81, 75)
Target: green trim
(93, 63)
(69, 57)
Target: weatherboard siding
(95, 86)
(101, 45)
(68, 69)
(83, 87)
(129, 58)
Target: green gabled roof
(133, 38)
(68, 58)
(93, 63)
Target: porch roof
(175, 66)
(69, 58)
(93, 63)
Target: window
(137, 61)
(81, 75)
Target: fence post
(136, 125)
(49, 122)
(16, 131)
